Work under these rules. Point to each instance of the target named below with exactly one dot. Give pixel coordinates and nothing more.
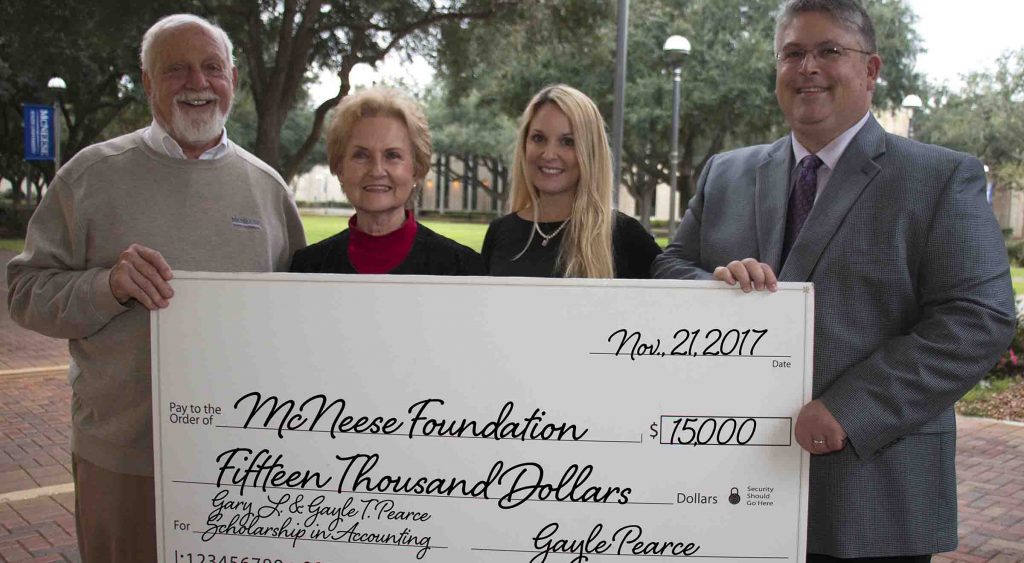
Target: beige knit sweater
(229, 214)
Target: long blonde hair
(586, 250)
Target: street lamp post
(988, 187)
(676, 49)
(621, 42)
(57, 86)
(912, 102)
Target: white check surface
(583, 370)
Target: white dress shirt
(829, 154)
(158, 139)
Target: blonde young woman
(561, 223)
(378, 145)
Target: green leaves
(93, 46)
(985, 118)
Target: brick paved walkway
(20, 348)
(35, 418)
(35, 422)
(990, 486)
(40, 529)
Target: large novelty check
(371, 418)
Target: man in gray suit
(912, 286)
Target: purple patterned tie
(801, 200)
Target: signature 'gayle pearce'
(627, 540)
(525, 482)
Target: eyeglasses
(824, 54)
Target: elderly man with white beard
(98, 258)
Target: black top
(431, 254)
(633, 248)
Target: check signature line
(429, 436)
(497, 550)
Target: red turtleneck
(379, 255)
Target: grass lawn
(1018, 280)
(470, 234)
(987, 389)
(319, 227)
(13, 244)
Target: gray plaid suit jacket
(913, 305)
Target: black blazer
(431, 255)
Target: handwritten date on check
(376, 418)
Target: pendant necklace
(547, 238)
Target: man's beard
(199, 129)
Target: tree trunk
(41, 182)
(276, 83)
(16, 193)
(646, 208)
(291, 167)
(644, 196)
(269, 120)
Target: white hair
(173, 22)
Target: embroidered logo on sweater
(247, 223)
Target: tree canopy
(283, 42)
(985, 118)
(76, 41)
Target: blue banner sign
(39, 137)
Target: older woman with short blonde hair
(376, 102)
(378, 145)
